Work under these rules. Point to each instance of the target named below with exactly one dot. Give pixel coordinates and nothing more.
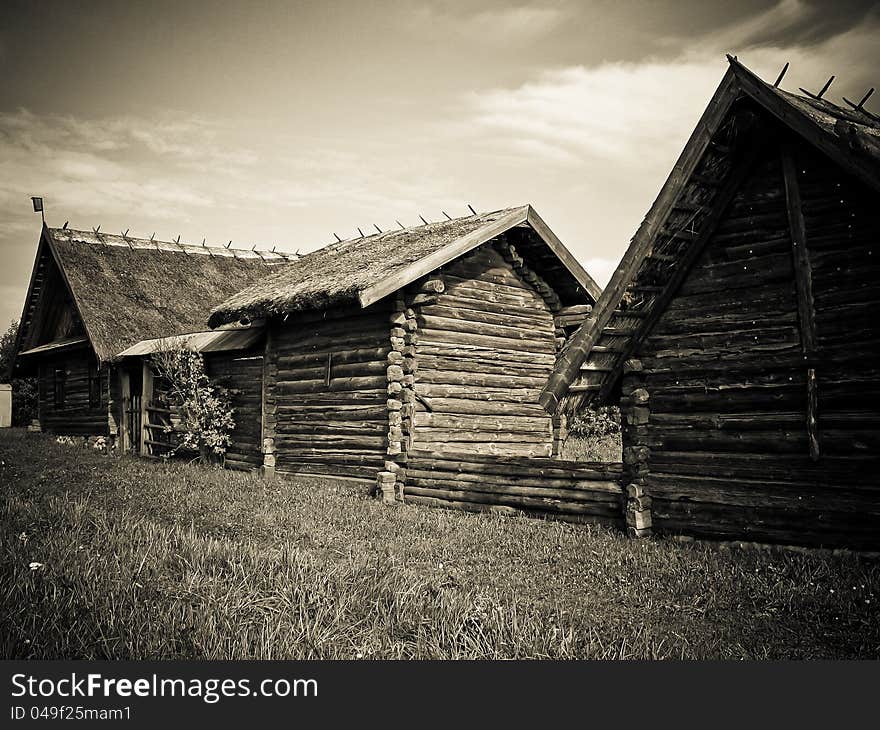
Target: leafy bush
(202, 406)
(24, 390)
(595, 422)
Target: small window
(58, 390)
(96, 386)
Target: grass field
(122, 558)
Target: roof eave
(444, 255)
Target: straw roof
(362, 270)
(127, 290)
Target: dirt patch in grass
(106, 557)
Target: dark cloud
(811, 22)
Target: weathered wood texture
(483, 347)
(733, 385)
(338, 429)
(242, 374)
(538, 487)
(76, 417)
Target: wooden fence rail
(573, 491)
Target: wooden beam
(710, 222)
(435, 260)
(800, 255)
(569, 363)
(146, 399)
(803, 276)
(813, 413)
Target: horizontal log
(480, 353)
(544, 504)
(573, 489)
(760, 493)
(476, 365)
(484, 393)
(487, 448)
(475, 301)
(471, 406)
(509, 317)
(336, 384)
(519, 333)
(479, 380)
(514, 466)
(505, 423)
(507, 510)
(428, 435)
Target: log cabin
(95, 299)
(739, 332)
(389, 349)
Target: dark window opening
(96, 386)
(58, 391)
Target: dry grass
(144, 560)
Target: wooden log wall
(483, 347)
(733, 388)
(242, 374)
(538, 487)
(326, 392)
(76, 417)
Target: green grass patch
(137, 559)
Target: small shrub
(596, 422)
(202, 406)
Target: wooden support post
(635, 413)
(268, 416)
(146, 401)
(125, 391)
(803, 277)
(560, 434)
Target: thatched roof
(594, 356)
(363, 270)
(127, 289)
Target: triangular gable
(519, 216)
(706, 176)
(51, 312)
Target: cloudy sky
(280, 123)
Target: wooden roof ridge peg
(180, 245)
(207, 248)
(781, 76)
(336, 236)
(423, 219)
(361, 232)
(402, 227)
(229, 244)
(471, 208)
(860, 107)
(818, 97)
(377, 228)
(446, 214)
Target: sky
(282, 123)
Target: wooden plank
(582, 341)
(725, 195)
(800, 256)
